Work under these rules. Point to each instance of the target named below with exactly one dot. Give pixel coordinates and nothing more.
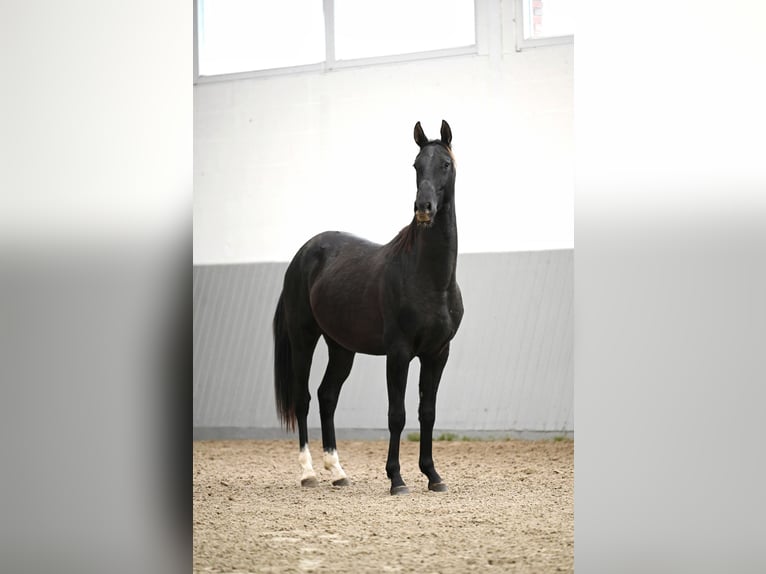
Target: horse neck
(435, 252)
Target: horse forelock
(446, 147)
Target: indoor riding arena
(509, 509)
(391, 330)
(363, 329)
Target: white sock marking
(332, 463)
(306, 464)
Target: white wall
(278, 159)
(510, 365)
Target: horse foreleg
(397, 366)
(431, 368)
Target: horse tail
(283, 369)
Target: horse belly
(348, 318)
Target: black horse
(400, 300)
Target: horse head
(435, 168)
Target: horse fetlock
(308, 476)
(393, 469)
(332, 463)
(427, 468)
(397, 483)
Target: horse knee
(328, 400)
(302, 405)
(396, 421)
(427, 412)
(427, 415)
(327, 396)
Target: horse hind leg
(302, 357)
(303, 334)
(340, 361)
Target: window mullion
(197, 18)
(481, 19)
(329, 33)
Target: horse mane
(405, 239)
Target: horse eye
(445, 165)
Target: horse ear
(420, 137)
(446, 133)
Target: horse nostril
(428, 206)
(416, 206)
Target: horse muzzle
(423, 218)
(425, 204)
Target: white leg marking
(332, 463)
(306, 465)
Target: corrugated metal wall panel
(510, 367)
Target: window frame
(525, 43)
(331, 63)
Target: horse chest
(431, 322)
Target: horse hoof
(437, 486)
(309, 482)
(341, 482)
(403, 489)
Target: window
(369, 28)
(243, 35)
(543, 22)
(253, 36)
